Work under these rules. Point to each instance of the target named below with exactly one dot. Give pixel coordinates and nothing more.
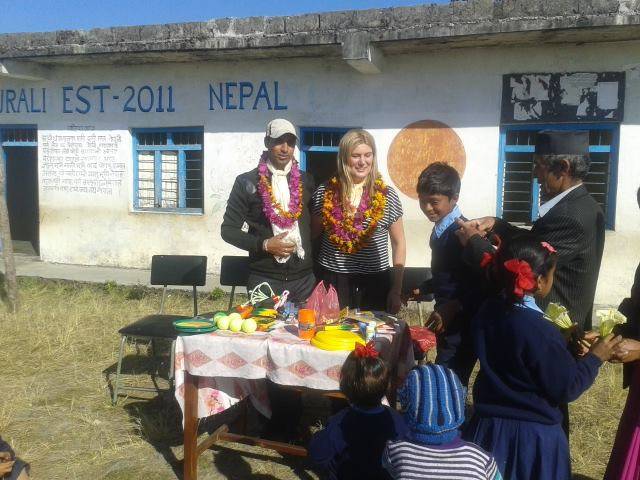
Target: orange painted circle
(417, 146)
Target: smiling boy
(452, 283)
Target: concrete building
(122, 143)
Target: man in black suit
(570, 220)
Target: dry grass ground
(55, 409)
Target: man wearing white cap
(272, 200)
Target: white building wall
(459, 87)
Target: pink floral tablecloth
(232, 366)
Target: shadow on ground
(158, 420)
(234, 466)
(159, 423)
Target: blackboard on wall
(562, 97)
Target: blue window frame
(519, 197)
(18, 136)
(168, 169)
(319, 150)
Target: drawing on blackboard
(535, 97)
(528, 92)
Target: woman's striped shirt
(374, 256)
(462, 461)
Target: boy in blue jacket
(453, 283)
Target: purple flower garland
(270, 206)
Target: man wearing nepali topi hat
(570, 220)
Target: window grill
(169, 173)
(187, 138)
(169, 180)
(146, 182)
(18, 135)
(519, 198)
(152, 139)
(323, 138)
(194, 194)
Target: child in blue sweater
(433, 399)
(351, 445)
(457, 296)
(526, 369)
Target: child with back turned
(351, 445)
(433, 400)
(526, 369)
(453, 284)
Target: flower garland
(346, 230)
(270, 206)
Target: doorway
(20, 154)
(319, 151)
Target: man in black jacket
(267, 216)
(570, 220)
(279, 246)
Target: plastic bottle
(306, 323)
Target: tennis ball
(223, 322)
(249, 325)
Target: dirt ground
(59, 352)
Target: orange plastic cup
(306, 323)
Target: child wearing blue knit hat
(433, 399)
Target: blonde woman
(356, 213)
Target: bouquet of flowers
(609, 319)
(559, 315)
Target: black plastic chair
(183, 270)
(413, 278)
(234, 272)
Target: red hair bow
(548, 247)
(366, 351)
(487, 259)
(525, 280)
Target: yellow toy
(336, 340)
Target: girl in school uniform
(350, 446)
(526, 370)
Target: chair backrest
(179, 270)
(234, 271)
(414, 277)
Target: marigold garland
(270, 206)
(346, 229)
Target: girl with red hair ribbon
(351, 445)
(526, 369)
